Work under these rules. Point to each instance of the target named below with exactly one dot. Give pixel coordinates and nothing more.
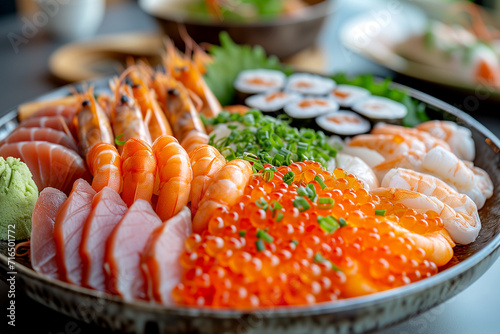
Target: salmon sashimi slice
(67, 112)
(124, 251)
(68, 231)
(160, 261)
(107, 210)
(41, 134)
(54, 122)
(43, 247)
(52, 165)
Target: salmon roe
(305, 238)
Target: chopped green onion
(118, 141)
(342, 222)
(268, 175)
(262, 203)
(328, 224)
(380, 212)
(320, 181)
(302, 191)
(261, 234)
(260, 245)
(325, 200)
(318, 257)
(301, 203)
(289, 177)
(312, 192)
(279, 217)
(295, 242)
(243, 233)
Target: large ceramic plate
(351, 315)
(376, 34)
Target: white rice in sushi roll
(310, 107)
(309, 84)
(344, 123)
(269, 102)
(259, 81)
(347, 95)
(380, 108)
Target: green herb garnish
(380, 212)
(118, 141)
(261, 234)
(260, 245)
(243, 233)
(289, 177)
(301, 203)
(318, 179)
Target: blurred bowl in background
(283, 37)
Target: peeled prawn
(226, 190)
(193, 140)
(462, 227)
(206, 161)
(389, 145)
(139, 171)
(458, 138)
(432, 186)
(356, 166)
(105, 165)
(175, 175)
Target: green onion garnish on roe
(380, 212)
(259, 244)
(318, 179)
(319, 258)
(242, 233)
(267, 140)
(289, 177)
(301, 203)
(261, 234)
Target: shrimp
(126, 117)
(371, 157)
(467, 179)
(426, 138)
(139, 171)
(175, 175)
(185, 71)
(226, 190)
(193, 140)
(151, 111)
(411, 160)
(105, 165)
(178, 107)
(388, 145)
(206, 161)
(356, 166)
(92, 123)
(432, 186)
(462, 227)
(458, 137)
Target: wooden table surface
(25, 75)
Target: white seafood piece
(458, 137)
(259, 81)
(356, 166)
(371, 157)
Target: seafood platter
(188, 199)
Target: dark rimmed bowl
(282, 37)
(354, 315)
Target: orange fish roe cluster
(302, 238)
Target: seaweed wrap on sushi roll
(258, 81)
(378, 109)
(310, 107)
(309, 84)
(347, 95)
(343, 123)
(272, 102)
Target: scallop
(343, 123)
(380, 109)
(259, 81)
(310, 107)
(309, 84)
(347, 95)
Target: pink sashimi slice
(54, 122)
(124, 251)
(52, 165)
(67, 112)
(107, 210)
(68, 231)
(41, 134)
(43, 247)
(160, 261)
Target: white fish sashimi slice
(160, 261)
(43, 247)
(356, 166)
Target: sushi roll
(259, 81)
(310, 107)
(271, 102)
(379, 109)
(309, 84)
(347, 95)
(343, 123)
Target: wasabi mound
(18, 194)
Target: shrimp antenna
(188, 41)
